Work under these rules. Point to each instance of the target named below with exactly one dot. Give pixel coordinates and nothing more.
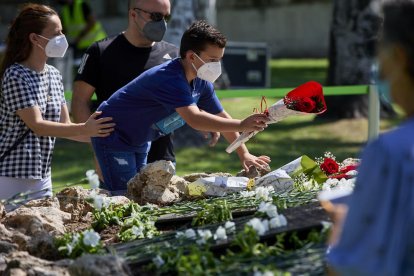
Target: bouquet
(305, 99)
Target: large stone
(35, 220)
(95, 265)
(21, 263)
(157, 183)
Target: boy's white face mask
(209, 71)
(56, 47)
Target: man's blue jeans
(119, 166)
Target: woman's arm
(65, 119)
(32, 117)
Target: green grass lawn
(283, 142)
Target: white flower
(220, 233)
(91, 238)
(277, 221)
(190, 234)
(99, 201)
(137, 231)
(264, 193)
(247, 193)
(205, 235)
(260, 226)
(230, 226)
(179, 235)
(69, 247)
(93, 179)
(150, 235)
(158, 261)
(268, 208)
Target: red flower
(329, 166)
(306, 105)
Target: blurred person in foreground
(377, 234)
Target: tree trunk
(353, 38)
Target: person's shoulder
(105, 42)
(15, 70)
(167, 47)
(397, 141)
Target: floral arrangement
(333, 169)
(305, 99)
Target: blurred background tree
(353, 38)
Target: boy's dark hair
(198, 36)
(399, 25)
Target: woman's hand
(98, 127)
(255, 122)
(261, 162)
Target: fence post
(373, 112)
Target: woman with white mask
(33, 110)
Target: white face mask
(56, 47)
(209, 71)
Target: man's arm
(81, 101)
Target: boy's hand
(261, 162)
(255, 122)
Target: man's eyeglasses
(155, 16)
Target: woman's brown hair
(33, 18)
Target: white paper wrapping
(217, 186)
(277, 112)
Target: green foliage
(216, 212)
(113, 215)
(138, 226)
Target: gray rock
(96, 265)
(34, 220)
(7, 247)
(158, 184)
(21, 263)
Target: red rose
(329, 166)
(305, 105)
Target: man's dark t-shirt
(111, 63)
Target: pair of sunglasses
(155, 16)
